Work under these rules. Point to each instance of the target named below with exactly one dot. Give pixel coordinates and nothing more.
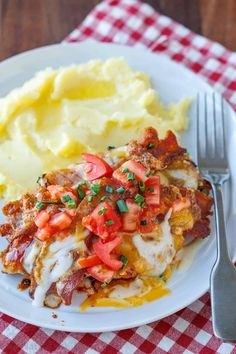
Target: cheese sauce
(158, 254)
(56, 263)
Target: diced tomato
(42, 219)
(180, 204)
(97, 220)
(45, 233)
(101, 273)
(152, 190)
(89, 261)
(96, 167)
(132, 217)
(60, 221)
(135, 167)
(103, 251)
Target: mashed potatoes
(49, 121)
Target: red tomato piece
(152, 190)
(132, 217)
(103, 251)
(97, 220)
(180, 204)
(42, 219)
(101, 273)
(135, 167)
(96, 167)
(89, 261)
(45, 233)
(60, 221)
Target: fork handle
(222, 249)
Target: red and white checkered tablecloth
(189, 330)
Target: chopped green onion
(125, 170)
(148, 173)
(142, 186)
(80, 192)
(153, 172)
(103, 285)
(65, 198)
(135, 182)
(102, 211)
(103, 199)
(143, 222)
(151, 189)
(109, 222)
(120, 190)
(95, 188)
(139, 199)
(205, 191)
(109, 189)
(130, 176)
(71, 204)
(124, 260)
(39, 205)
(151, 145)
(90, 198)
(110, 147)
(122, 206)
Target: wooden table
(26, 24)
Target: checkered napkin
(189, 330)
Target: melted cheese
(30, 255)
(158, 254)
(189, 177)
(56, 263)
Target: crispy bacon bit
(69, 283)
(201, 229)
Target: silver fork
(213, 165)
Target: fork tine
(214, 125)
(223, 128)
(198, 126)
(206, 125)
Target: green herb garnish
(120, 190)
(110, 147)
(151, 145)
(125, 170)
(103, 285)
(148, 173)
(102, 211)
(139, 199)
(205, 191)
(109, 189)
(103, 199)
(90, 198)
(142, 186)
(109, 222)
(122, 206)
(95, 188)
(130, 176)
(71, 204)
(150, 189)
(65, 198)
(124, 260)
(80, 192)
(39, 205)
(135, 182)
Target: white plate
(172, 82)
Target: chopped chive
(143, 222)
(151, 189)
(49, 202)
(109, 222)
(65, 198)
(120, 190)
(71, 204)
(109, 189)
(80, 192)
(130, 176)
(110, 147)
(95, 188)
(205, 191)
(124, 260)
(139, 199)
(103, 285)
(103, 199)
(142, 186)
(90, 198)
(125, 170)
(153, 172)
(122, 206)
(151, 145)
(39, 205)
(135, 182)
(148, 173)
(102, 211)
